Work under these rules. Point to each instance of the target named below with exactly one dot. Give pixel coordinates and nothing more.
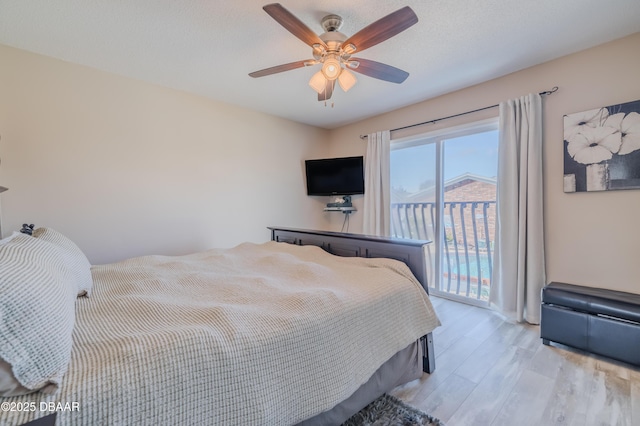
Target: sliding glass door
(443, 188)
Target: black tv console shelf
(344, 210)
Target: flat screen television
(335, 176)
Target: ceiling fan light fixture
(347, 80)
(331, 68)
(349, 49)
(318, 82)
(318, 51)
(352, 64)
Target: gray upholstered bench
(600, 321)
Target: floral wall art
(602, 148)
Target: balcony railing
(467, 255)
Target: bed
(282, 332)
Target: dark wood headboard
(411, 252)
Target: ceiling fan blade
(380, 71)
(279, 68)
(328, 91)
(383, 29)
(293, 24)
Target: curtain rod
(546, 92)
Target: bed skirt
(401, 368)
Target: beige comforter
(255, 335)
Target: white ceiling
(209, 47)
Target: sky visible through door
(476, 154)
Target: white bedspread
(262, 334)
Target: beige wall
(591, 238)
(127, 168)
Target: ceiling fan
(333, 49)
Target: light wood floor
(493, 372)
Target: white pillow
(37, 313)
(7, 239)
(74, 258)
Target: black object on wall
(335, 176)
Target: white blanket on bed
(262, 334)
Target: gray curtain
(377, 198)
(519, 269)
